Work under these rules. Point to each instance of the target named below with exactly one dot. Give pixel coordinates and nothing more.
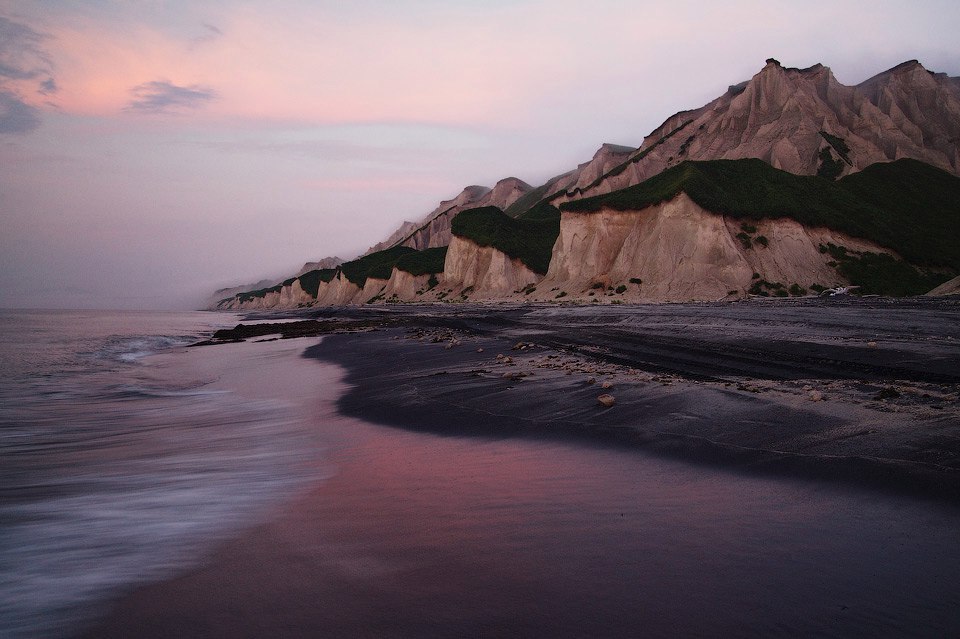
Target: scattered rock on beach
(815, 396)
(606, 384)
(606, 400)
(887, 393)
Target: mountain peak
(513, 182)
(608, 147)
(909, 65)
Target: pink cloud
(308, 67)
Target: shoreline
(852, 397)
(509, 525)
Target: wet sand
(858, 390)
(538, 512)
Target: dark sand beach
(862, 390)
(780, 468)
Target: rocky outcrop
(325, 263)
(434, 229)
(287, 296)
(677, 251)
(219, 296)
(504, 193)
(950, 287)
(406, 286)
(607, 158)
(338, 292)
(804, 121)
(483, 272)
(436, 232)
(395, 238)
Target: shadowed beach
(864, 390)
(757, 466)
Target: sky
(153, 151)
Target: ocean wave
(112, 493)
(115, 469)
(130, 350)
(141, 392)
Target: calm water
(115, 470)
(120, 468)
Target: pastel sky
(153, 151)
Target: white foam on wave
(127, 470)
(133, 349)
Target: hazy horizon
(155, 152)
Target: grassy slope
(907, 206)
(425, 262)
(380, 265)
(918, 209)
(527, 201)
(529, 238)
(377, 265)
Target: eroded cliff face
(677, 251)
(950, 287)
(290, 296)
(434, 229)
(337, 292)
(219, 299)
(780, 115)
(483, 272)
(325, 263)
(406, 286)
(791, 118)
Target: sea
(116, 469)
(128, 459)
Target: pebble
(606, 400)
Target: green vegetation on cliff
(380, 265)
(377, 265)
(527, 201)
(528, 238)
(425, 262)
(917, 209)
(310, 281)
(249, 296)
(907, 206)
(882, 274)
